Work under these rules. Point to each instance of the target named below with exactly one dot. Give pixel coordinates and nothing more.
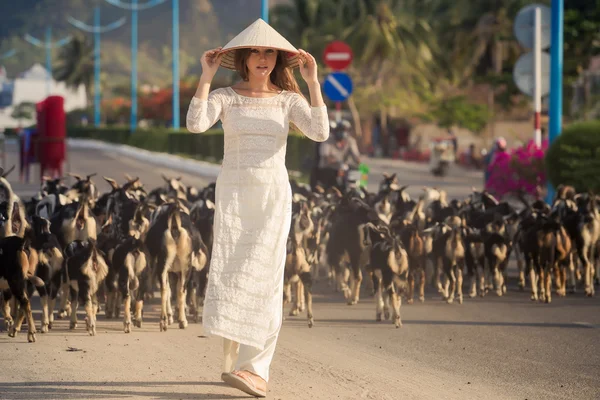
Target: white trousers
(250, 358)
(243, 357)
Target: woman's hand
(308, 67)
(210, 61)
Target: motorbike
(351, 177)
(442, 155)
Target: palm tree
(480, 44)
(389, 39)
(394, 43)
(478, 35)
(75, 64)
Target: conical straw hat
(259, 34)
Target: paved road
(457, 183)
(490, 348)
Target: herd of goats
(85, 247)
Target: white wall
(31, 87)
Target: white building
(30, 86)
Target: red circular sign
(337, 55)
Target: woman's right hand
(210, 61)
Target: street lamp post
(556, 80)
(48, 45)
(176, 124)
(96, 29)
(265, 10)
(134, 7)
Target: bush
(458, 111)
(517, 170)
(574, 157)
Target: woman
(244, 295)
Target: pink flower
(517, 169)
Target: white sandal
(246, 385)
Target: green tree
(457, 111)
(391, 40)
(24, 110)
(75, 64)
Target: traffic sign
(338, 86)
(523, 73)
(337, 55)
(525, 23)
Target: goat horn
(5, 174)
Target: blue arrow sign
(338, 86)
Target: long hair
(281, 76)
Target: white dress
(253, 207)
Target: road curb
(151, 157)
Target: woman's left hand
(308, 66)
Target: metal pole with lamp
(134, 7)
(175, 27)
(96, 29)
(48, 45)
(556, 81)
(264, 10)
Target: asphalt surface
(487, 348)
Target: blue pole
(48, 59)
(134, 20)
(265, 11)
(97, 67)
(556, 72)
(176, 64)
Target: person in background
(454, 140)
(337, 150)
(499, 145)
(315, 174)
(471, 159)
(376, 137)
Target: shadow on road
(88, 390)
(355, 322)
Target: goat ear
(337, 193)
(209, 204)
(111, 182)
(76, 176)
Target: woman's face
(261, 62)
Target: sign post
(537, 72)
(338, 86)
(532, 29)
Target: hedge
(205, 146)
(574, 157)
